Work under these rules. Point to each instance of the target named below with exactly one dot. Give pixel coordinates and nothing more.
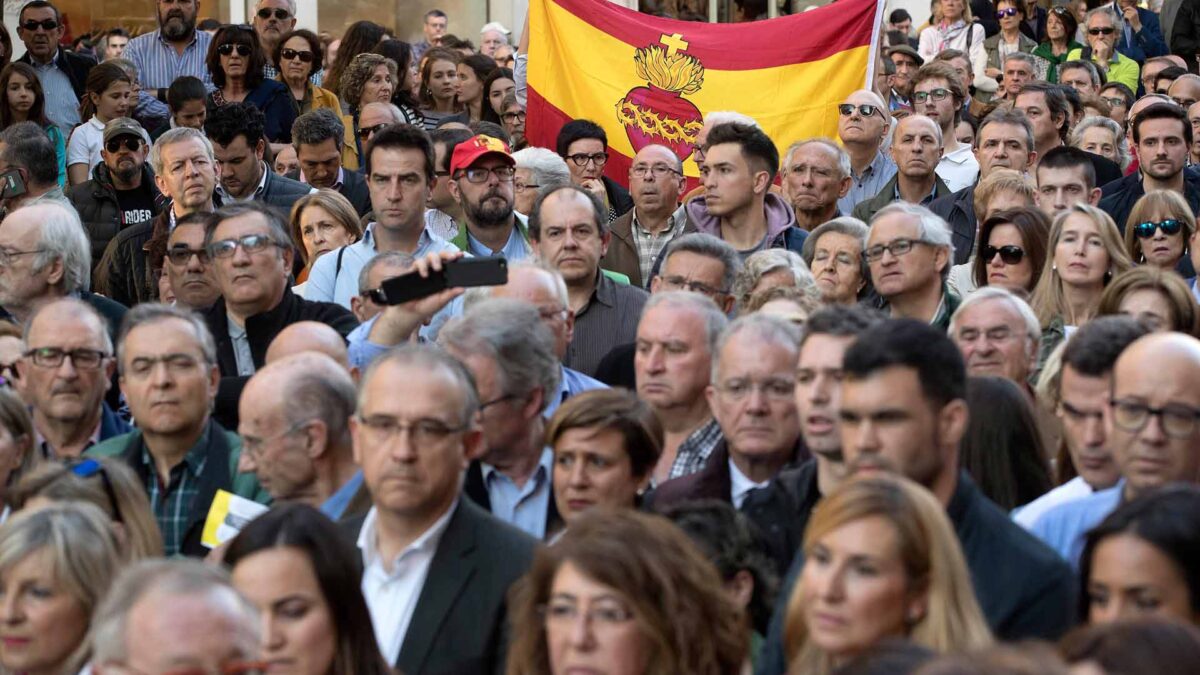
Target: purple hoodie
(779, 218)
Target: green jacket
(223, 450)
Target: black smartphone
(11, 184)
(461, 273)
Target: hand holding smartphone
(460, 273)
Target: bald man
(1153, 430)
(655, 183)
(543, 287)
(1185, 90)
(311, 336)
(294, 420)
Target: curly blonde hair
(359, 71)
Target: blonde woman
(56, 562)
(321, 222)
(1159, 228)
(1084, 253)
(107, 484)
(918, 589)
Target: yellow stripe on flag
(790, 102)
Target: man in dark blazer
(318, 136)
(236, 131)
(436, 567)
(40, 27)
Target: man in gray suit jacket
(436, 568)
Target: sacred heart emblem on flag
(658, 113)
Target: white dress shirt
(392, 590)
(740, 485)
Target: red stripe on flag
(799, 38)
(544, 121)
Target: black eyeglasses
(938, 94)
(897, 248)
(53, 357)
(1002, 13)
(1011, 255)
(86, 468)
(130, 143)
(44, 24)
(289, 54)
(227, 49)
(581, 159)
(480, 175)
(1107, 30)
(865, 109)
(364, 133)
(513, 117)
(183, 255)
(280, 13)
(1169, 227)
(1177, 420)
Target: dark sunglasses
(289, 54)
(366, 132)
(227, 49)
(86, 468)
(1101, 31)
(44, 24)
(1169, 227)
(866, 109)
(280, 13)
(1011, 11)
(1011, 255)
(130, 143)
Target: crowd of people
(922, 398)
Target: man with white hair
(538, 169)
(998, 334)
(163, 613)
(816, 174)
(909, 252)
(185, 170)
(25, 148)
(863, 123)
(491, 37)
(917, 150)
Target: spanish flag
(649, 80)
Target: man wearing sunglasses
(121, 192)
(1102, 34)
(63, 74)
(862, 126)
(272, 19)
(481, 181)
(1153, 420)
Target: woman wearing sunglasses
(1002, 189)
(1061, 27)
(1010, 39)
(1013, 250)
(235, 60)
(1159, 228)
(297, 56)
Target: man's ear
(260, 149)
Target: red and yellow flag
(650, 80)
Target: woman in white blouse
(956, 30)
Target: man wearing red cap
(481, 181)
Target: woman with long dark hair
(235, 60)
(295, 565)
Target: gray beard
(176, 34)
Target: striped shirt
(158, 65)
(62, 106)
(172, 504)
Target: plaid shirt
(650, 245)
(173, 505)
(693, 453)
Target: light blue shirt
(62, 106)
(570, 383)
(514, 249)
(328, 284)
(363, 351)
(335, 506)
(1063, 527)
(522, 507)
(873, 178)
(158, 65)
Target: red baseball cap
(472, 150)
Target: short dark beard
(125, 176)
(487, 217)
